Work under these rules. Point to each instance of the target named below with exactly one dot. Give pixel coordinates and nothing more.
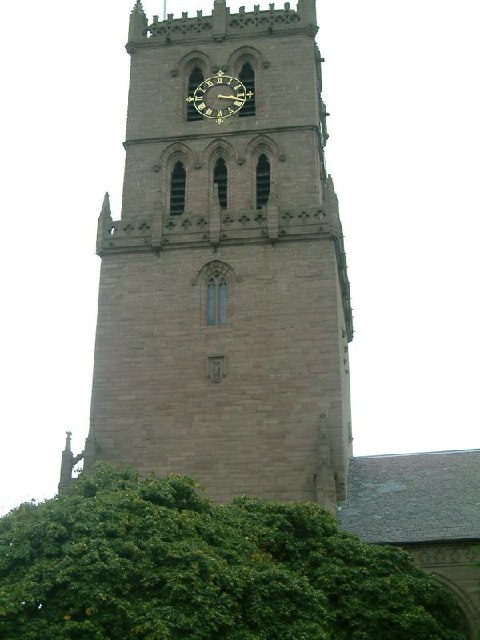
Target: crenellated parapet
(221, 24)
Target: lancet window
(194, 79)
(177, 189)
(262, 180)
(217, 298)
(247, 76)
(220, 178)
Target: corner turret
(306, 8)
(68, 462)
(138, 23)
(105, 223)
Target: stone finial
(106, 211)
(220, 12)
(104, 223)
(138, 23)
(68, 441)
(67, 463)
(307, 11)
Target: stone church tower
(224, 314)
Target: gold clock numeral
(198, 98)
(220, 80)
(201, 106)
(240, 96)
(219, 113)
(209, 83)
(238, 104)
(230, 110)
(208, 112)
(239, 86)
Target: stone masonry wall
(256, 431)
(260, 405)
(285, 109)
(455, 565)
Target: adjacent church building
(224, 315)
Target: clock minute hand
(227, 97)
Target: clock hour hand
(227, 97)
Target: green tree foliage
(120, 557)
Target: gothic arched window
(217, 293)
(194, 79)
(216, 300)
(177, 189)
(263, 180)
(220, 178)
(247, 76)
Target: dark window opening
(177, 189)
(217, 301)
(220, 179)
(263, 180)
(247, 76)
(195, 78)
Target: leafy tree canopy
(120, 557)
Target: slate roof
(414, 498)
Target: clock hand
(227, 97)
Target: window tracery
(217, 292)
(217, 277)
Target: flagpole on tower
(164, 9)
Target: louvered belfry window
(177, 189)
(195, 78)
(247, 76)
(220, 178)
(263, 180)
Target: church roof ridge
(415, 453)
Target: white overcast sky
(401, 82)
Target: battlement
(221, 24)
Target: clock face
(219, 97)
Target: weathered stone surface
(257, 432)
(260, 405)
